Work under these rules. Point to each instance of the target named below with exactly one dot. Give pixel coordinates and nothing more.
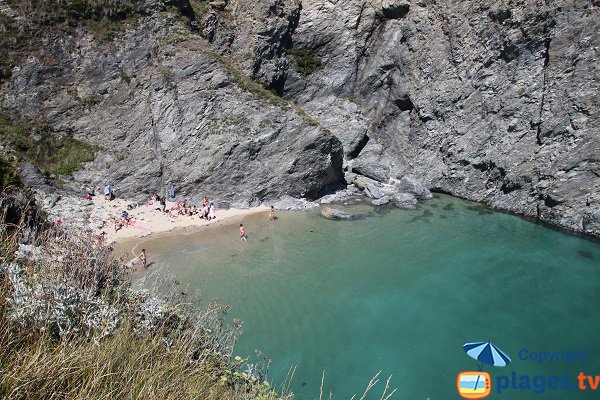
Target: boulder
(373, 192)
(289, 203)
(376, 171)
(410, 184)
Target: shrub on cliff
(71, 325)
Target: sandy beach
(146, 220)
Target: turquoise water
(401, 291)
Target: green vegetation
(8, 175)
(200, 7)
(91, 100)
(266, 123)
(124, 77)
(85, 333)
(71, 12)
(10, 40)
(60, 155)
(103, 18)
(306, 63)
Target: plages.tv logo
(478, 384)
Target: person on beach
(272, 216)
(118, 224)
(243, 235)
(142, 257)
(211, 212)
(172, 191)
(107, 191)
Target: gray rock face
(33, 177)
(164, 112)
(491, 101)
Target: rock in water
(333, 213)
(404, 200)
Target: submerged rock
(333, 213)
(404, 200)
(381, 201)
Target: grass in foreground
(71, 327)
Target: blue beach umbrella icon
(486, 353)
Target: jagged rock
(333, 213)
(410, 184)
(373, 192)
(404, 200)
(376, 171)
(292, 204)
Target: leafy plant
(123, 74)
(8, 175)
(306, 63)
(61, 155)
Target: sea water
(401, 291)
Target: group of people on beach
(123, 220)
(207, 211)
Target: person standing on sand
(243, 235)
(272, 216)
(142, 257)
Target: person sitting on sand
(272, 216)
(211, 212)
(142, 257)
(117, 223)
(243, 235)
(100, 237)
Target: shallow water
(400, 291)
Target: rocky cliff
(161, 106)
(492, 101)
